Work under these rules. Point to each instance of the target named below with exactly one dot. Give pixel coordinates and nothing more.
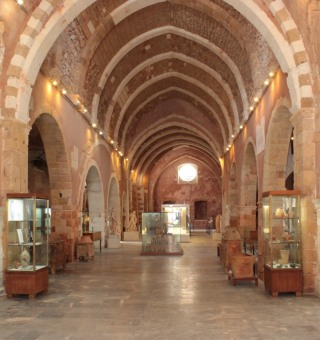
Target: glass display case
(159, 235)
(179, 213)
(28, 227)
(282, 242)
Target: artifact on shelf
(279, 213)
(25, 258)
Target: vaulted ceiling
(159, 75)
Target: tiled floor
(122, 295)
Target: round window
(187, 172)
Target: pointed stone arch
(277, 147)
(63, 220)
(94, 190)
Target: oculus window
(187, 173)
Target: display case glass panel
(178, 213)
(281, 218)
(28, 226)
(160, 236)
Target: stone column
(247, 219)
(317, 279)
(14, 172)
(305, 181)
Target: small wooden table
(94, 235)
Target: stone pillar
(247, 220)
(305, 181)
(317, 279)
(14, 172)
(260, 242)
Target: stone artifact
(113, 227)
(25, 258)
(132, 222)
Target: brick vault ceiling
(177, 73)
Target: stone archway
(59, 175)
(95, 199)
(249, 188)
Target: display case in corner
(28, 227)
(282, 242)
(159, 235)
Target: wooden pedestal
(95, 236)
(234, 280)
(284, 280)
(27, 282)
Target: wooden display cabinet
(28, 227)
(282, 242)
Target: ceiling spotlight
(111, 141)
(94, 125)
(54, 83)
(20, 2)
(64, 91)
(100, 133)
(256, 99)
(251, 108)
(241, 127)
(271, 74)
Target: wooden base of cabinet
(26, 282)
(284, 280)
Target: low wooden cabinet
(283, 281)
(27, 283)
